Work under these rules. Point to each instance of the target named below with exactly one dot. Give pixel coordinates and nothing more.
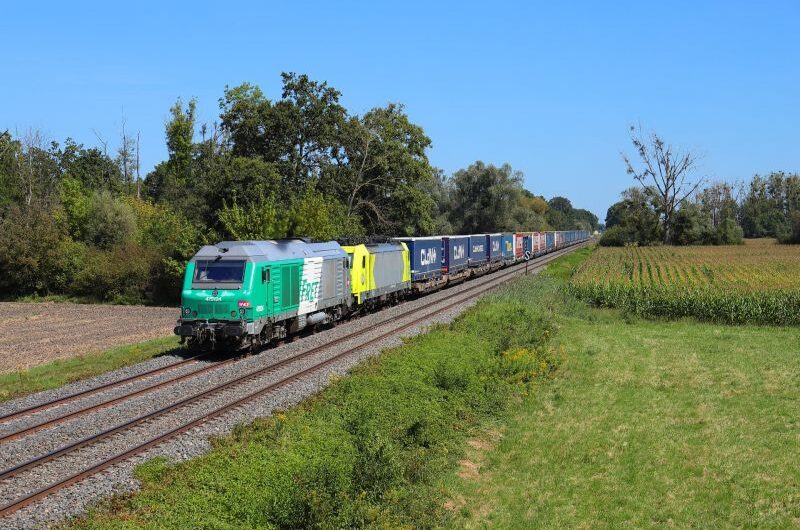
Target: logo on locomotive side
(308, 291)
(458, 252)
(427, 256)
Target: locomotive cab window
(264, 275)
(212, 271)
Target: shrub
(616, 236)
(30, 239)
(120, 275)
(791, 235)
(109, 221)
(729, 233)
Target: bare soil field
(36, 333)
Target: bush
(791, 235)
(616, 236)
(729, 233)
(175, 239)
(109, 221)
(121, 275)
(30, 250)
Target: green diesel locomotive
(247, 293)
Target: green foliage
(120, 275)
(76, 204)
(769, 205)
(30, 257)
(319, 217)
(108, 222)
(634, 220)
(486, 198)
(792, 235)
(561, 215)
(90, 167)
(310, 215)
(262, 219)
(728, 233)
(617, 236)
(370, 449)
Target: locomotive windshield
(219, 272)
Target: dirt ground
(36, 333)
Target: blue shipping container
(550, 240)
(508, 246)
(478, 249)
(527, 245)
(425, 255)
(456, 253)
(495, 242)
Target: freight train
(250, 293)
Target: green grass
(60, 298)
(371, 449)
(648, 424)
(58, 373)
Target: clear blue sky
(546, 87)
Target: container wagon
(550, 241)
(456, 254)
(527, 245)
(478, 250)
(539, 245)
(495, 243)
(519, 246)
(507, 244)
(425, 257)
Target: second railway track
(244, 388)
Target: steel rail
(33, 409)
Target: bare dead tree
(138, 178)
(104, 143)
(31, 143)
(125, 157)
(665, 168)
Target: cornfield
(758, 282)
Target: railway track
(420, 315)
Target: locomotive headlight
(233, 314)
(241, 311)
(187, 311)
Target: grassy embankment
(373, 447)
(649, 424)
(58, 373)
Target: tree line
(671, 206)
(79, 221)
